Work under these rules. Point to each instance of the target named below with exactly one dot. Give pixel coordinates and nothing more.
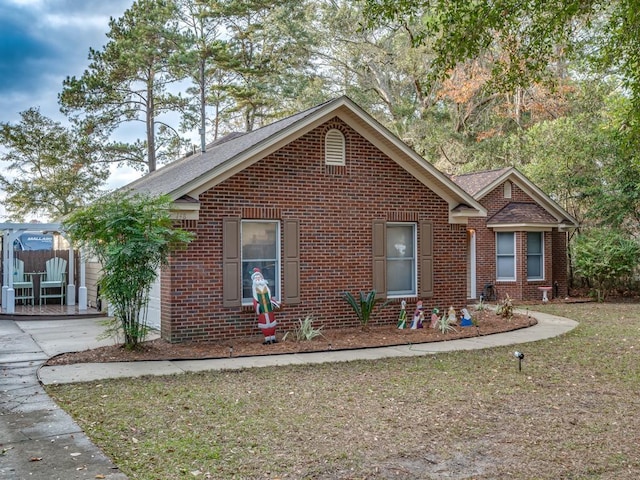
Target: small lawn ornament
(466, 321)
(264, 305)
(451, 316)
(418, 317)
(434, 317)
(402, 320)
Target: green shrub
(606, 258)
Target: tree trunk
(151, 137)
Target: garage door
(153, 313)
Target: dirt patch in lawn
(338, 339)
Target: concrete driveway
(38, 440)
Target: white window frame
(511, 278)
(414, 264)
(276, 287)
(540, 255)
(507, 189)
(334, 148)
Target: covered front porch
(21, 292)
(42, 312)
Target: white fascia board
(522, 227)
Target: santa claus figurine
(264, 305)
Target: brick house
(324, 201)
(521, 245)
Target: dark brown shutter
(426, 259)
(231, 263)
(380, 258)
(291, 293)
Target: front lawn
(571, 413)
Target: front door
(471, 264)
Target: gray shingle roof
(174, 175)
(472, 183)
(519, 213)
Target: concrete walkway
(39, 441)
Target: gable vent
(334, 151)
(507, 189)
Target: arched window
(507, 189)
(334, 150)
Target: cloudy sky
(41, 43)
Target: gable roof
(192, 175)
(474, 183)
(479, 184)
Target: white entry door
(471, 264)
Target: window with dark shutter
(379, 242)
(260, 241)
(291, 262)
(426, 259)
(231, 292)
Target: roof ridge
(479, 172)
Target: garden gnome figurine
(402, 320)
(451, 316)
(466, 318)
(264, 305)
(434, 317)
(418, 317)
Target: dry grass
(572, 413)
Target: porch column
(71, 288)
(5, 262)
(82, 291)
(10, 306)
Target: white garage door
(153, 313)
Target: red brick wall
(336, 207)
(555, 259)
(560, 265)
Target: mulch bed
(337, 339)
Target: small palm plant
(364, 306)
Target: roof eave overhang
(462, 215)
(522, 227)
(185, 209)
(567, 227)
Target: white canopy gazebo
(10, 233)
